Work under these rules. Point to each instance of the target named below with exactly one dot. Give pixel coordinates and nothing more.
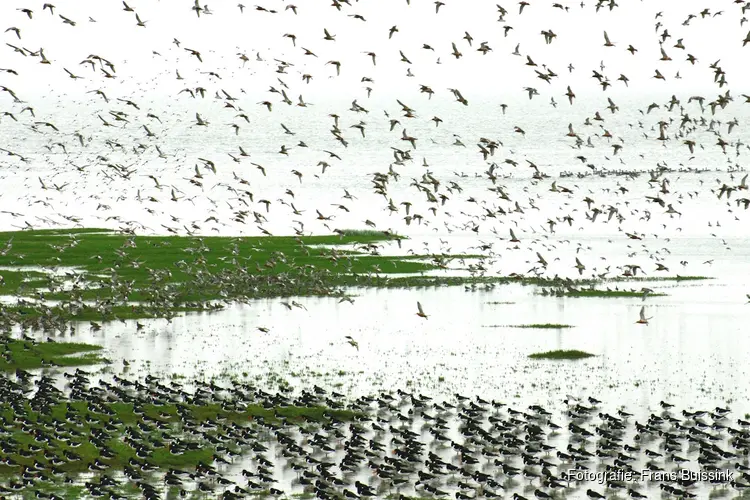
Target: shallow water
(690, 352)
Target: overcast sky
(147, 59)
(226, 32)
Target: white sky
(220, 36)
(146, 62)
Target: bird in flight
(420, 311)
(643, 319)
(352, 342)
(607, 43)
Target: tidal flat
(128, 306)
(103, 275)
(374, 250)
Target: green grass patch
(112, 424)
(438, 281)
(29, 313)
(133, 277)
(572, 354)
(11, 280)
(137, 257)
(168, 274)
(27, 355)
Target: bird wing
(419, 307)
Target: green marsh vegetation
(28, 354)
(101, 275)
(610, 293)
(594, 292)
(122, 430)
(95, 274)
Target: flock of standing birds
(402, 445)
(407, 444)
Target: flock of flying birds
(128, 163)
(128, 139)
(123, 148)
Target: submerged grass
(561, 354)
(609, 293)
(104, 275)
(670, 278)
(80, 420)
(569, 291)
(27, 355)
(86, 312)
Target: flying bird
(352, 342)
(420, 311)
(643, 319)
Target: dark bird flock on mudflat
(572, 143)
